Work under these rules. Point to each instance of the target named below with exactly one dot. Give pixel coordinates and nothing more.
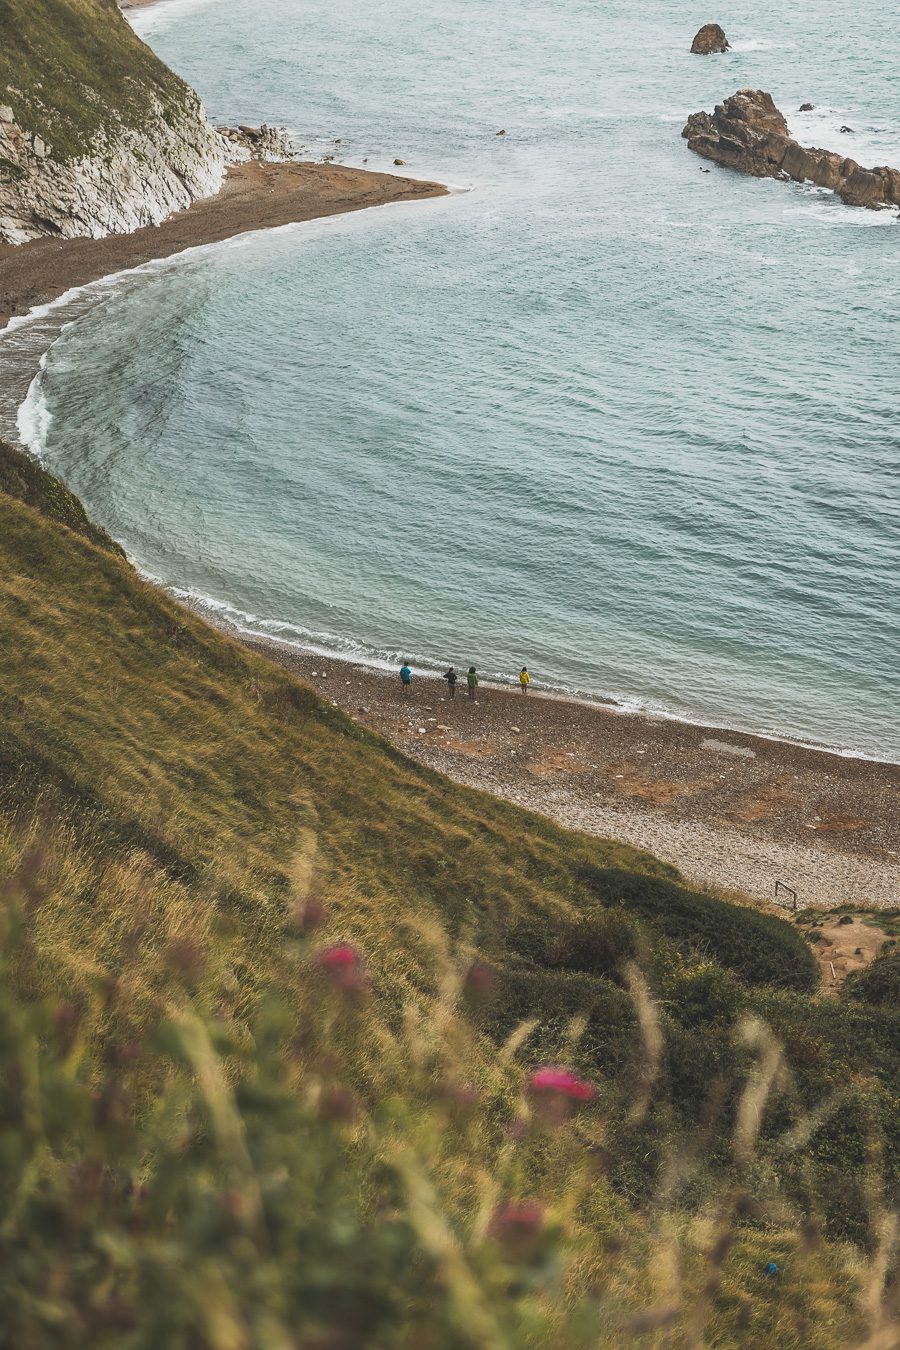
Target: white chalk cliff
(96, 137)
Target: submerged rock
(807, 107)
(748, 133)
(710, 41)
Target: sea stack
(710, 41)
(748, 133)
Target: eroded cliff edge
(97, 136)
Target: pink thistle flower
(560, 1083)
(557, 1093)
(344, 968)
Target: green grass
(203, 1144)
(71, 68)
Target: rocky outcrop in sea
(747, 132)
(710, 41)
(264, 143)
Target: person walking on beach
(524, 679)
(405, 678)
(450, 677)
(472, 681)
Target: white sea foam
(867, 144)
(332, 647)
(153, 18)
(34, 416)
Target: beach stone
(710, 41)
(399, 161)
(747, 132)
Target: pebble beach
(733, 812)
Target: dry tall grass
(209, 1136)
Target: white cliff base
(130, 178)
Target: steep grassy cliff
(96, 134)
(273, 997)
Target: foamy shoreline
(741, 836)
(225, 615)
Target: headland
(256, 196)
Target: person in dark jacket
(450, 677)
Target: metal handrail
(783, 886)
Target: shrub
(704, 994)
(759, 947)
(598, 942)
(554, 998)
(878, 984)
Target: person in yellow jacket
(524, 679)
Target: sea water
(599, 411)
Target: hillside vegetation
(74, 68)
(275, 1004)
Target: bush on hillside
(760, 948)
(596, 942)
(878, 984)
(555, 998)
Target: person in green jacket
(472, 681)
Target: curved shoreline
(256, 196)
(731, 809)
(222, 614)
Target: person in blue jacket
(405, 678)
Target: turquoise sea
(598, 411)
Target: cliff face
(96, 135)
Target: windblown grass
(72, 68)
(207, 1140)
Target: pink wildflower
(344, 968)
(560, 1083)
(557, 1093)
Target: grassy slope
(185, 793)
(72, 67)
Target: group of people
(452, 680)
